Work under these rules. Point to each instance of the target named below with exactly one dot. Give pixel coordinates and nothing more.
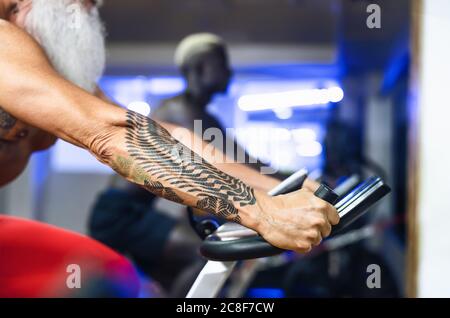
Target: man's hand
(297, 221)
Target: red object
(35, 258)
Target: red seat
(34, 260)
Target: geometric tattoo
(158, 189)
(165, 160)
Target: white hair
(196, 44)
(72, 37)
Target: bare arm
(135, 146)
(145, 153)
(251, 177)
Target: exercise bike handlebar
(233, 242)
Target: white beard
(72, 37)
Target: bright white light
(283, 113)
(283, 100)
(279, 134)
(142, 108)
(336, 94)
(304, 135)
(309, 149)
(165, 85)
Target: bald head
(203, 60)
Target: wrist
(270, 183)
(252, 215)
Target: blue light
(266, 293)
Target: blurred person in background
(203, 60)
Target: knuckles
(321, 206)
(320, 222)
(303, 247)
(314, 237)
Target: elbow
(107, 144)
(107, 141)
(103, 148)
(109, 147)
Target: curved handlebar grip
(349, 208)
(244, 248)
(252, 247)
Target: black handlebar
(226, 247)
(326, 194)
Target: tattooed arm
(169, 169)
(145, 153)
(216, 156)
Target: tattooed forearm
(170, 169)
(6, 120)
(161, 191)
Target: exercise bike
(231, 243)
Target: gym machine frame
(232, 242)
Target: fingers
(325, 230)
(326, 217)
(317, 239)
(313, 238)
(332, 215)
(331, 212)
(321, 229)
(304, 250)
(326, 209)
(303, 221)
(311, 185)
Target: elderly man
(48, 88)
